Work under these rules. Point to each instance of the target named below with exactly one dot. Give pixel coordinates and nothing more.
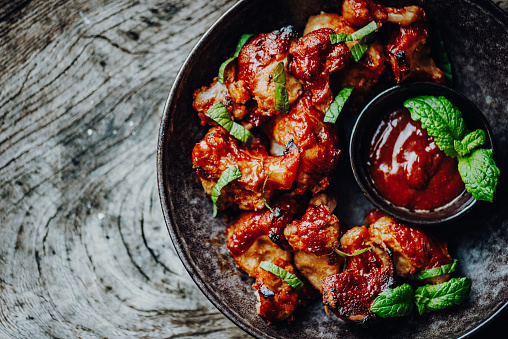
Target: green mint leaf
(359, 34)
(479, 173)
(345, 255)
(440, 118)
(364, 31)
(337, 38)
(290, 278)
(230, 174)
(243, 40)
(436, 271)
(219, 113)
(223, 67)
(338, 104)
(281, 94)
(441, 57)
(279, 75)
(264, 199)
(394, 302)
(470, 141)
(241, 133)
(357, 50)
(436, 297)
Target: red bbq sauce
(407, 167)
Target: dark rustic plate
(475, 34)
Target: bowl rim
(167, 206)
(166, 203)
(364, 118)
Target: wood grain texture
(84, 251)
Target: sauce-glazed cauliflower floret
(350, 294)
(361, 12)
(412, 249)
(408, 53)
(317, 141)
(314, 57)
(256, 64)
(219, 150)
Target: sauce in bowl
(407, 167)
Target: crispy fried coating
(251, 225)
(219, 150)
(317, 141)
(328, 20)
(277, 300)
(256, 63)
(361, 12)
(233, 94)
(314, 57)
(350, 294)
(316, 232)
(408, 53)
(412, 249)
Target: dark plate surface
(475, 34)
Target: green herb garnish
(436, 271)
(444, 122)
(360, 47)
(479, 173)
(230, 174)
(440, 118)
(470, 142)
(394, 302)
(264, 199)
(281, 93)
(243, 40)
(337, 38)
(338, 104)
(290, 278)
(436, 297)
(345, 255)
(358, 50)
(219, 113)
(359, 34)
(441, 57)
(364, 31)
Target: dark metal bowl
(473, 33)
(365, 127)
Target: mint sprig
(219, 113)
(229, 174)
(436, 271)
(290, 278)
(243, 40)
(338, 104)
(444, 122)
(394, 302)
(479, 173)
(440, 118)
(436, 297)
(470, 142)
(281, 93)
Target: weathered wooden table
(84, 251)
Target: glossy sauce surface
(407, 167)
